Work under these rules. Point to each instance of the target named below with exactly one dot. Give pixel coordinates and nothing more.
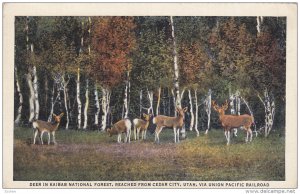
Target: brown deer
(141, 125)
(122, 126)
(176, 123)
(42, 126)
(233, 121)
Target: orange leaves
(113, 40)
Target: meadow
(94, 156)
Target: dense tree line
(101, 69)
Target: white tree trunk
(141, 101)
(125, 100)
(158, 100)
(150, 97)
(191, 111)
(176, 75)
(86, 106)
(269, 105)
(19, 114)
(207, 103)
(196, 113)
(31, 97)
(53, 102)
(65, 84)
(78, 99)
(105, 107)
(97, 104)
(36, 94)
(259, 20)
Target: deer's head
(221, 110)
(58, 118)
(181, 111)
(147, 116)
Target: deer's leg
(250, 133)
(49, 138)
(134, 132)
(228, 137)
(145, 133)
(129, 135)
(41, 137)
(53, 134)
(175, 132)
(35, 134)
(138, 134)
(178, 135)
(157, 133)
(119, 137)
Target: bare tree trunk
(105, 107)
(141, 101)
(259, 20)
(125, 100)
(174, 102)
(36, 94)
(150, 97)
(176, 75)
(31, 97)
(196, 113)
(232, 108)
(53, 102)
(269, 105)
(208, 109)
(65, 84)
(78, 99)
(158, 101)
(191, 110)
(19, 114)
(86, 106)
(97, 104)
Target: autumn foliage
(113, 41)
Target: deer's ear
(185, 109)
(61, 114)
(144, 115)
(54, 115)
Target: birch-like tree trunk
(269, 105)
(65, 84)
(232, 108)
(125, 100)
(208, 109)
(105, 107)
(78, 99)
(31, 97)
(196, 113)
(259, 20)
(53, 102)
(36, 94)
(150, 97)
(191, 110)
(97, 104)
(19, 93)
(141, 101)
(86, 106)
(176, 75)
(158, 100)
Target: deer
(233, 121)
(176, 123)
(42, 126)
(141, 125)
(120, 127)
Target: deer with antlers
(176, 123)
(42, 126)
(233, 121)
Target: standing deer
(141, 125)
(43, 126)
(176, 123)
(233, 121)
(122, 126)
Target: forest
(98, 70)
(95, 71)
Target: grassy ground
(87, 156)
